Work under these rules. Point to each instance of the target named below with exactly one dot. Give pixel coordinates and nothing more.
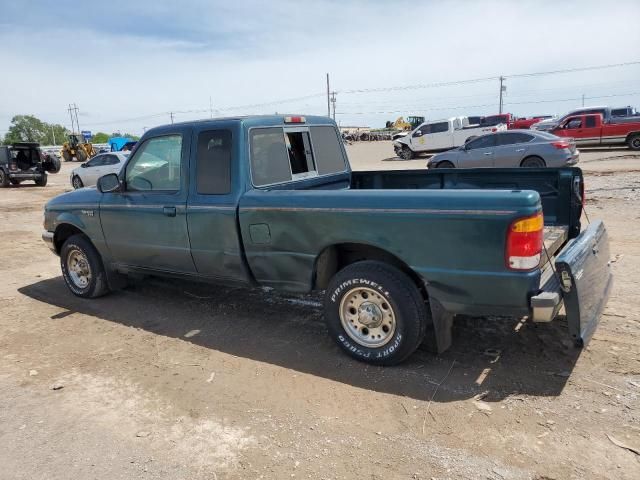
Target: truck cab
(591, 130)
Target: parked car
(440, 135)
(513, 148)
(272, 201)
(493, 120)
(25, 161)
(591, 130)
(87, 174)
(526, 122)
(551, 123)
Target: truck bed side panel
(449, 238)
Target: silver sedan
(513, 148)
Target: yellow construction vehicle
(76, 147)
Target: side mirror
(83, 165)
(109, 183)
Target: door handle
(488, 153)
(520, 150)
(169, 211)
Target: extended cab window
(590, 122)
(156, 165)
(213, 169)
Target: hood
(82, 196)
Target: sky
(127, 64)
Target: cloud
(122, 60)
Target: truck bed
(559, 190)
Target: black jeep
(25, 161)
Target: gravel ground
(171, 380)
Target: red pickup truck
(589, 130)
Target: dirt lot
(184, 381)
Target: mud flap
(585, 279)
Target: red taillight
(524, 242)
(294, 120)
(560, 144)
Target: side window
(513, 138)
(213, 168)
(590, 122)
(326, 146)
(423, 130)
(439, 127)
(96, 161)
(269, 162)
(111, 160)
(574, 123)
(485, 141)
(156, 165)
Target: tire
(81, 155)
(390, 316)
(634, 141)
(445, 164)
(82, 268)
(42, 181)
(67, 156)
(406, 153)
(533, 162)
(4, 179)
(52, 165)
(15, 181)
(76, 182)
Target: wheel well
(63, 232)
(533, 156)
(631, 134)
(336, 257)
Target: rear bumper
(47, 238)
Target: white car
(440, 135)
(87, 174)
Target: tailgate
(585, 277)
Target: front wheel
(445, 164)
(77, 182)
(634, 142)
(82, 268)
(406, 153)
(41, 181)
(375, 312)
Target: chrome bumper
(47, 238)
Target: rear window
(327, 149)
(213, 169)
(280, 155)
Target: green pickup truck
(271, 201)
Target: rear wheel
(375, 312)
(67, 155)
(42, 180)
(77, 182)
(634, 141)
(533, 162)
(81, 155)
(15, 181)
(445, 164)
(82, 268)
(406, 153)
(4, 179)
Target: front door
(479, 152)
(145, 225)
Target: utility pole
(333, 103)
(583, 99)
(53, 134)
(210, 106)
(503, 88)
(74, 110)
(328, 98)
(171, 114)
